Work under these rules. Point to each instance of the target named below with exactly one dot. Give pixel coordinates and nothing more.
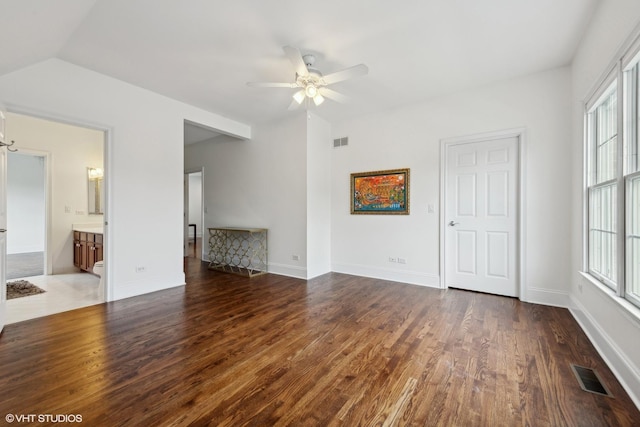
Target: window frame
(630, 71)
(628, 254)
(625, 75)
(610, 85)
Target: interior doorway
(63, 188)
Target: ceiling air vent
(341, 142)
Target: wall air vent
(341, 142)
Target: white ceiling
(203, 52)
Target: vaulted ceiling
(203, 52)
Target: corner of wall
(552, 297)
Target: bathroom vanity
(87, 247)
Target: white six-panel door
(481, 204)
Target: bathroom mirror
(96, 195)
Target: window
(631, 177)
(612, 125)
(633, 240)
(603, 141)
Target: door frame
(48, 242)
(188, 172)
(107, 284)
(445, 143)
(3, 223)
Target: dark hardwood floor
(336, 350)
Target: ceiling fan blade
(268, 84)
(294, 105)
(347, 73)
(295, 57)
(333, 95)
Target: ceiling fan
(310, 82)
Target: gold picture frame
(383, 192)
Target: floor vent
(589, 380)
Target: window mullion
(604, 183)
(620, 187)
(593, 149)
(632, 142)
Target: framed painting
(380, 192)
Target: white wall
(71, 150)
(410, 137)
(259, 183)
(318, 159)
(26, 203)
(612, 325)
(144, 163)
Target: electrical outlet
(141, 269)
(295, 257)
(402, 260)
(392, 259)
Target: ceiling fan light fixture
(310, 83)
(299, 96)
(311, 90)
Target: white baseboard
(150, 284)
(394, 275)
(24, 249)
(615, 358)
(287, 270)
(281, 269)
(547, 297)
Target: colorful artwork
(380, 192)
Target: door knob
(451, 223)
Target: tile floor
(24, 265)
(64, 292)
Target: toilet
(98, 270)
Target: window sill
(628, 309)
